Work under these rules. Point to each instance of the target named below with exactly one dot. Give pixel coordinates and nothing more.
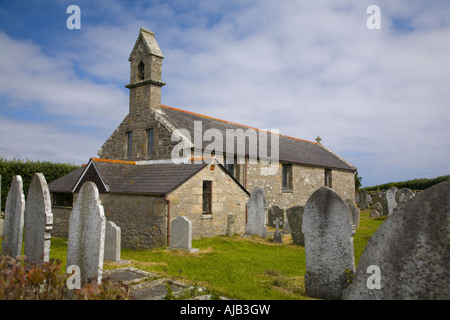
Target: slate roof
(129, 178)
(290, 149)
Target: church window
(129, 136)
(141, 71)
(149, 142)
(207, 197)
(60, 199)
(286, 178)
(328, 178)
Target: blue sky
(378, 98)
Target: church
(159, 164)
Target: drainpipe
(168, 220)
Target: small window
(60, 199)
(207, 197)
(129, 137)
(286, 179)
(149, 142)
(328, 178)
(141, 71)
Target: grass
(250, 268)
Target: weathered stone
(363, 204)
(231, 224)
(38, 221)
(374, 213)
(87, 234)
(376, 199)
(390, 198)
(273, 213)
(256, 214)
(286, 227)
(14, 219)
(112, 242)
(277, 235)
(377, 210)
(384, 204)
(181, 234)
(354, 212)
(403, 195)
(328, 245)
(411, 250)
(295, 218)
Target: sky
(379, 98)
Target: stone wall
(227, 197)
(141, 218)
(306, 180)
(138, 123)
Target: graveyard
(342, 244)
(257, 268)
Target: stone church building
(142, 188)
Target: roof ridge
(235, 123)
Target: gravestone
(112, 242)
(256, 218)
(231, 225)
(277, 235)
(411, 250)
(354, 212)
(87, 234)
(390, 199)
(376, 199)
(14, 219)
(377, 210)
(273, 213)
(38, 221)
(403, 195)
(384, 204)
(295, 218)
(181, 234)
(363, 205)
(328, 245)
(286, 227)
(374, 213)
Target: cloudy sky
(379, 98)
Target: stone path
(149, 286)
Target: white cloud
(378, 98)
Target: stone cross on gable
(318, 139)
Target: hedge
(415, 184)
(26, 169)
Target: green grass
(236, 267)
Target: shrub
(21, 280)
(27, 169)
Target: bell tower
(145, 73)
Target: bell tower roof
(150, 44)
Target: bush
(21, 280)
(415, 184)
(27, 169)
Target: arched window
(141, 71)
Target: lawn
(238, 267)
(246, 268)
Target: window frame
(286, 177)
(150, 141)
(129, 144)
(208, 195)
(328, 178)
